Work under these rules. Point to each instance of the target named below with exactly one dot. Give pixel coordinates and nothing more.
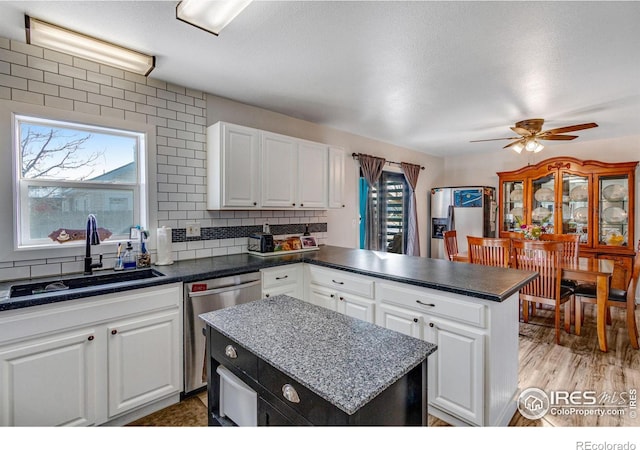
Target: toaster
(261, 242)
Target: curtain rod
(355, 156)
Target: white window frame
(21, 186)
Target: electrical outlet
(193, 229)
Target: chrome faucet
(92, 238)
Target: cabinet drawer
(309, 405)
(437, 304)
(342, 281)
(236, 355)
(281, 276)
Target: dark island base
(404, 403)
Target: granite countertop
(474, 280)
(344, 360)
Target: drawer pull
(90, 338)
(289, 393)
(282, 278)
(230, 352)
(338, 282)
(426, 304)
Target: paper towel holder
(164, 247)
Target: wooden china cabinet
(594, 199)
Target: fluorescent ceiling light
(63, 40)
(211, 16)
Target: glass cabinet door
(543, 202)
(513, 206)
(613, 208)
(575, 206)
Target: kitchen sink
(43, 287)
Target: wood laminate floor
(575, 365)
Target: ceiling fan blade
(498, 139)
(568, 129)
(557, 137)
(521, 131)
(513, 143)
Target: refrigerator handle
(451, 223)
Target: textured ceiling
(429, 76)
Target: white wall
(343, 228)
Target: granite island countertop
(346, 361)
(473, 280)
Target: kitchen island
(312, 366)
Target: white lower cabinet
(339, 291)
(49, 381)
(456, 370)
(287, 280)
(91, 360)
(473, 374)
(144, 360)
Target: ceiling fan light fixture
(54, 37)
(210, 16)
(531, 145)
(538, 148)
(518, 147)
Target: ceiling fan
(530, 131)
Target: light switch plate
(193, 229)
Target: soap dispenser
(129, 258)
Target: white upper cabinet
(249, 168)
(278, 160)
(312, 175)
(232, 166)
(336, 177)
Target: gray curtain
(411, 173)
(371, 170)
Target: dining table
(596, 270)
(588, 269)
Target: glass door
(543, 202)
(576, 216)
(513, 205)
(613, 209)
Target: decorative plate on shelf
(516, 212)
(614, 214)
(614, 192)
(579, 193)
(544, 195)
(540, 214)
(581, 215)
(516, 195)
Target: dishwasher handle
(232, 287)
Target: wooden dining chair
(571, 243)
(544, 258)
(450, 244)
(489, 251)
(512, 234)
(618, 298)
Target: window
(391, 203)
(66, 171)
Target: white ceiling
(429, 76)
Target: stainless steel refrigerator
(470, 210)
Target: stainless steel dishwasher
(204, 296)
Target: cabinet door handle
(114, 331)
(332, 296)
(90, 338)
(282, 278)
(255, 203)
(426, 304)
(289, 393)
(230, 352)
(338, 282)
(301, 204)
(293, 204)
(415, 319)
(267, 295)
(341, 299)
